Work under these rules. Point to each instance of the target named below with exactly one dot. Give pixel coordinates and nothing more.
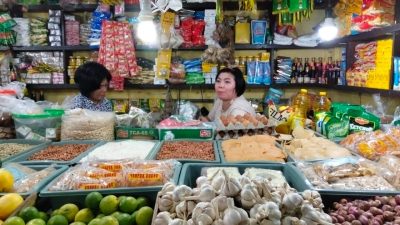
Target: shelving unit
(348, 42)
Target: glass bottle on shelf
(293, 79)
(300, 77)
(312, 71)
(306, 75)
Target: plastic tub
(25, 156)
(38, 126)
(45, 193)
(184, 160)
(223, 160)
(38, 187)
(191, 171)
(36, 144)
(339, 192)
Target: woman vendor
(229, 87)
(93, 80)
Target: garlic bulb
(184, 209)
(291, 202)
(310, 215)
(249, 196)
(201, 180)
(217, 182)
(203, 213)
(167, 188)
(166, 203)
(232, 215)
(267, 213)
(231, 186)
(220, 203)
(207, 193)
(243, 180)
(292, 221)
(162, 218)
(180, 192)
(178, 222)
(314, 198)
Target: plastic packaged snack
(27, 182)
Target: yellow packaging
(209, 67)
(163, 63)
(242, 33)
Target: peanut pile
(187, 150)
(10, 149)
(60, 152)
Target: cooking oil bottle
(322, 105)
(300, 106)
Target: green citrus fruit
(124, 219)
(43, 216)
(93, 199)
(69, 211)
(77, 223)
(95, 221)
(144, 216)
(115, 214)
(134, 217)
(84, 215)
(108, 204)
(14, 220)
(142, 201)
(29, 213)
(128, 205)
(55, 212)
(108, 220)
(101, 215)
(122, 197)
(57, 220)
(36, 222)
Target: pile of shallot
(377, 211)
(226, 200)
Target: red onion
(363, 219)
(387, 208)
(375, 222)
(388, 216)
(334, 220)
(343, 201)
(375, 211)
(392, 202)
(384, 199)
(397, 199)
(397, 208)
(350, 217)
(346, 223)
(340, 219)
(356, 222)
(368, 215)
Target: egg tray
(237, 130)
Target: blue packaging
(266, 79)
(258, 31)
(251, 72)
(396, 71)
(273, 95)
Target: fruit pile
(99, 210)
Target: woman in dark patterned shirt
(92, 79)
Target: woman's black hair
(240, 83)
(89, 77)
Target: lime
(84, 215)
(128, 205)
(69, 211)
(95, 221)
(93, 199)
(29, 213)
(133, 216)
(144, 216)
(55, 212)
(57, 220)
(101, 215)
(43, 216)
(124, 219)
(115, 214)
(122, 197)
(108, 220)
(14, 220)
(77, 223)
(142, 201)
(36, 222)
(108, 204)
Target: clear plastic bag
(83, 124)
(27, 182)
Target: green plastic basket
(45, 193)
(25, 156)
(36, 144)
(191, 171)
(216, 153)
(223, 160)
(38, 187)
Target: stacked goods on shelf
(23, 31)
(372, 67)
(93, 208)
(373, 145)
(72, 32)
(116, 174)
(306, 146)
(7, 35)
(84, 33)
(250, 149)
(101, 13)
(45, 68)
(117, 52)
(39, 31)
(221, 195)
(54, 26)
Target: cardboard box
(122, 132)
(186, 133)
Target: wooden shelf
(38, 48)
(69, 8)
(81, 48)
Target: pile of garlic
(226, 200)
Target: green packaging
(360, 120)
(335, 128)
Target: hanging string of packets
(292, 11)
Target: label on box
(23, 130)
(193, 133)
(51, 133)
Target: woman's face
(225, 86)
(99, 94)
